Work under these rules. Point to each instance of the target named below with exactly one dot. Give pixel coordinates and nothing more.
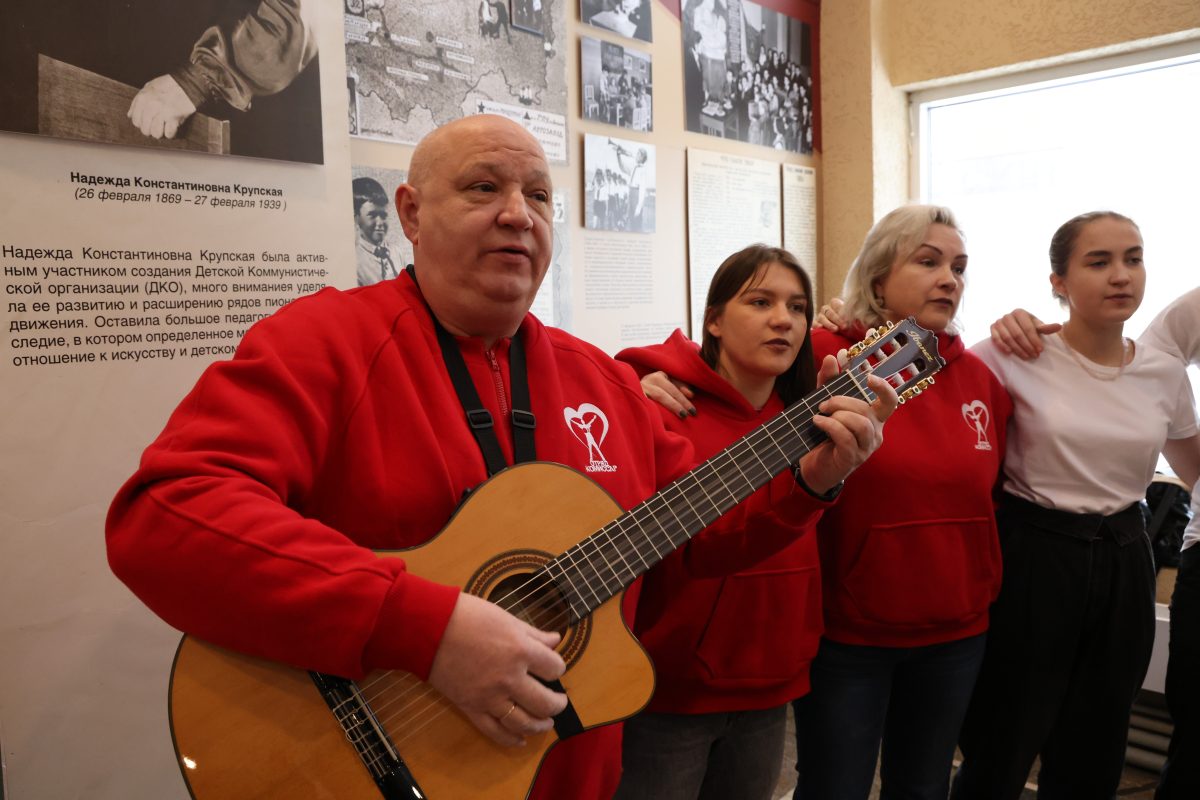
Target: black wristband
(828, 497)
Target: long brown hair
(745, 268)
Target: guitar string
(545, 613)
(606, 535)
(606, 538)
(547, 617)
(590, 541)
(538, 612)
(441, 705)
(548, 608)
(598, 545)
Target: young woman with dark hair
(730, 648)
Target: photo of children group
(756, 87)
(617, 85)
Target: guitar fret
(608, 562)
(569, 592)
(581, 564)
(637, 551)
(616, 547)
(678, 522)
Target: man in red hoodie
(337, 429)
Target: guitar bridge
(368, 737)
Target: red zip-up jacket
(910, 555)
(741, 641)
(334, 431)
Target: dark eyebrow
(761, 290)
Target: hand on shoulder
(1020, 333)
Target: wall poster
(618, 84)
(619, 184)
(414, 66)
(748, 74)
(800, 218)
(200, 76)
(627, 17)
(125, 272)
(732, 201)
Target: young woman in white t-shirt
(1072, 629)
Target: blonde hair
(897, 234)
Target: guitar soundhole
(534, 599)
(511, 580)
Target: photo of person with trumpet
(627, 169)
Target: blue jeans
(910, 699)
(709, 756)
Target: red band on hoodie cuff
(410, 626)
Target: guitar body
(246, 728)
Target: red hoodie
(910, 555)
(742, 641)
(334, 429)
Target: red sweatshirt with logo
(741, 641)
(335, 430)
(910, 555)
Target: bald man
(337, 429)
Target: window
(1016, 158)
(1015, 161)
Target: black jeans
(1068, 647)
(1181, 774)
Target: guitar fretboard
(613, 557)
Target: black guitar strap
(567, 723)
(479, 419)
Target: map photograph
(416, 64)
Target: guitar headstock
(903, 354)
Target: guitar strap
(479, 418)
(567, 722)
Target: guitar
(540, 540)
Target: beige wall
(874, 51)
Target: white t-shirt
(1177, 331)
(1080, 444)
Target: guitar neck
(613, 557)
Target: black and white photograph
(494, 20)
(755, 87)
(420, 64)
(380, 248)
(629, 18)
(618, 86)
(528, 15)
(619, 185)
(207, 76)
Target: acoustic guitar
(540, 540)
